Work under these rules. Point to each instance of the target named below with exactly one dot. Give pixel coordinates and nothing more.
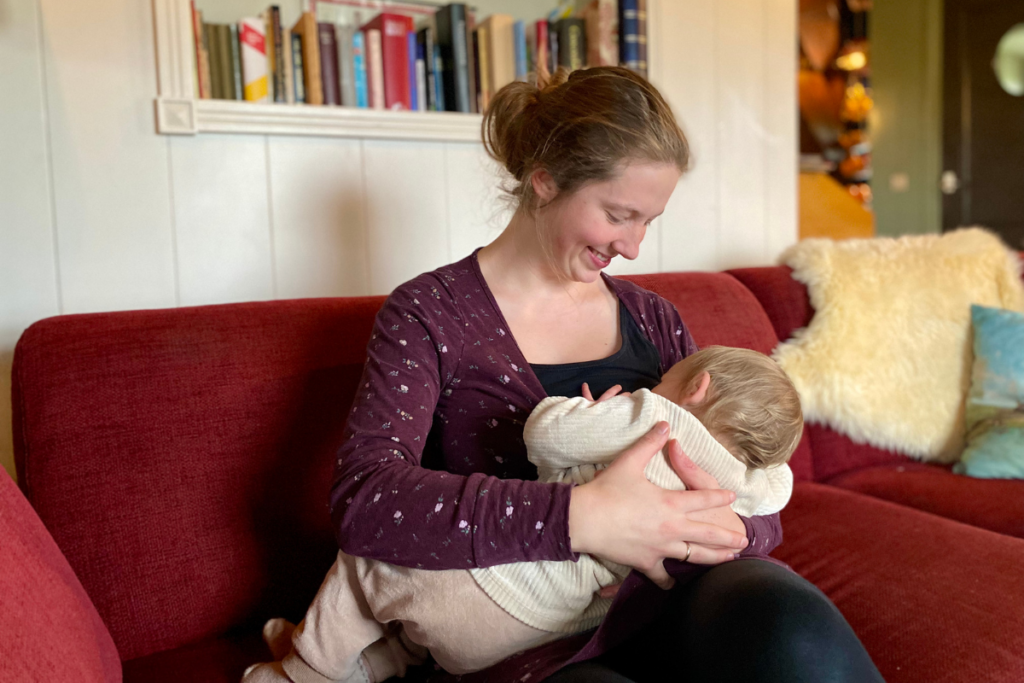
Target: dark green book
(572, 43)
(213, 47)
(236, 65)
(227, 76)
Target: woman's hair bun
(579, 126)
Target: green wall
(906, 125)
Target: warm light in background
(853, 61)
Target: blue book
(359, 65)
(519, 44)
(438, 79)
(413, 99)
(629, 34)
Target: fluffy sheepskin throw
(887, 356)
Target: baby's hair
(579, 127)
(750, 405)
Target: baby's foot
(277, 634)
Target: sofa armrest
(49, 628)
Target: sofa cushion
(995, 402)
(931, 599)
(717, 309)
(182, 459)
(993, 504)
(49, 629)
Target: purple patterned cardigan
(433, 471)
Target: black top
(635, 366)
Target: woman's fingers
(701, 554)
(714, 535)
(647, 446)
(691, 501)
(659, 576)
(694, 477)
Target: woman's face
(603, 219)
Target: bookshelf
(179, 112)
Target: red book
(329, 63)
(394, 31)
(540, 54)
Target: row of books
(448, 63)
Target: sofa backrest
(182, 458)
(788, 306)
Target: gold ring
(688, 549)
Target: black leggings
(744, 621)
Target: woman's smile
(599, 259)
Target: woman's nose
(628, 247)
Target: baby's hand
(614, 391)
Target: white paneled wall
(97, 212)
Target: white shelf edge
(226, 116)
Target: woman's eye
(612, 219)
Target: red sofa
(180, 461)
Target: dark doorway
(983, 123)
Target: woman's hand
(622, 517)
(697, 479)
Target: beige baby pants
(370, 620)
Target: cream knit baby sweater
(570, 440)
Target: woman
(434, 474)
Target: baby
(733, 411)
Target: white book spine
(421, 85)
(254, 59)
(346, 65)
(376, 55)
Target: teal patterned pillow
(995, 406)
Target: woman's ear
(544, 185)
(698, 395)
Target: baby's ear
(697, 395)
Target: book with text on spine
(254, 59)
(572, 43)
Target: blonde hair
(750, 404)
(579, 127)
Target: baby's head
(743, 398)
